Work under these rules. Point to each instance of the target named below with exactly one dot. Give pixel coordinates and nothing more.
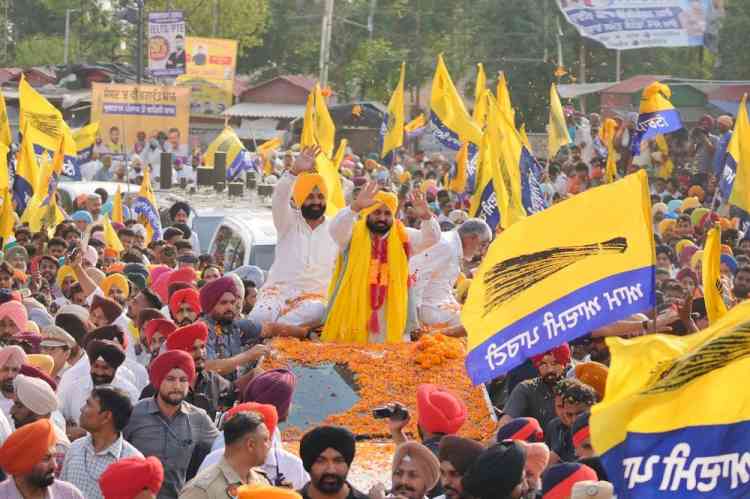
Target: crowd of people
(140, 373)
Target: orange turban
(305, 184)
(26, 446)
(266, 411)
(186, 295)
(265, 492)
(129, 477)
(184, 338)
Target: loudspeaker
(236, 189)
(220, 169)
(204, 177)
(251, 180)
(165, 171)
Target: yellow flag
(392, 130)
(610, 171)
(5, 136)
(503, 98)
(4, 173)
(449, 115)
(27, 170)
(712, 286)
(39, 116)
(739, 150)
(340, 153)
(146, 209)
(480, 104)
(308, 139)
(525, 138)
(415, 124)
(85, 138)
(111, 239)
(329, 170)
(557, 130)
(325, 130)
(117, 212)
(667, 166)
(7, 218)
(265, 150)
(458, 183)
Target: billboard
(633, 24)
(166, 43)
(141, 119)
(211, 58)
(208, 98)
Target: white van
(243, 239)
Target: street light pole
(67, 34)
(139, 50)
(325, 42)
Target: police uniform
(221, 481)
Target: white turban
(35, 394)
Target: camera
(391, 412)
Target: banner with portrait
(208, 98)
(211, 58)
(166, 43)
(142, 119)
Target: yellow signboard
(212, 58)
(208, 98)
(145, 119)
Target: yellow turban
(118, 281)
(682, 244)
(31, 327)
(666, 225)
(265, 492)
(695, 259)
(388, 199)
(65, 272)
(41, 361)
(726, 250)
(404, 177)
(305, 184)
(688, 203)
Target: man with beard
(327, 453)
(105, 358)
(35, 400)
(575, 399)
(168, 427)
(131, 370)
(456, 456)
(297, 285)
(155, 332)
(142, 300)
(535, 397)
(48, 267)
(28, 456)
(211, 392)
(247, 442)
(371, 298)
(414, 472)
(185, 306)
(224, 346)
(64, 280)
(59, 345)
(11, 359)
(116, 288)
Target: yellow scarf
(350, 306)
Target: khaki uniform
(220, 481)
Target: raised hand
(366, 197)
(305, 161)
(419, 202)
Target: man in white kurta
(437, 269)
(296, 289)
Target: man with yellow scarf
(369, 293)
(295, 292)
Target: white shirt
(5, 428)
(5, 405)
(73, 395)
(278, 460)
(89, 169)
(305, 257)
(436, 271)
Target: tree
(38, 50)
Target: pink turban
(157, 271)
(161, 285)
(16, 312)
(12, 355)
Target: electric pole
(325, 42)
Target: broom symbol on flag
(510, 277)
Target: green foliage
(37, 50)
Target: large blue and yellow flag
(550, 278)
(238, 158)
(734, 184)
(452, 122)
(674, 422)
(146, 209)
(656, 115)
(392, 129)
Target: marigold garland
(385, 373)
(434, 350)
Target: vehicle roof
(258, 224)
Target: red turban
(211, 293)
(184, 338)
(163, 326)
(184, 274)
(173, 359)
(266, 411)
(187, 295)
(561, 354)
(126, 478)
(439, 411)
(26, 446)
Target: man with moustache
(535, 397)
(414, 472)
(11, 359)
(297, 285)
(327, 453)
(456, 456)
(185, 306)
(169, 427)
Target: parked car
(248, 238)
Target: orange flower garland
(436, 349)
(385, 373)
